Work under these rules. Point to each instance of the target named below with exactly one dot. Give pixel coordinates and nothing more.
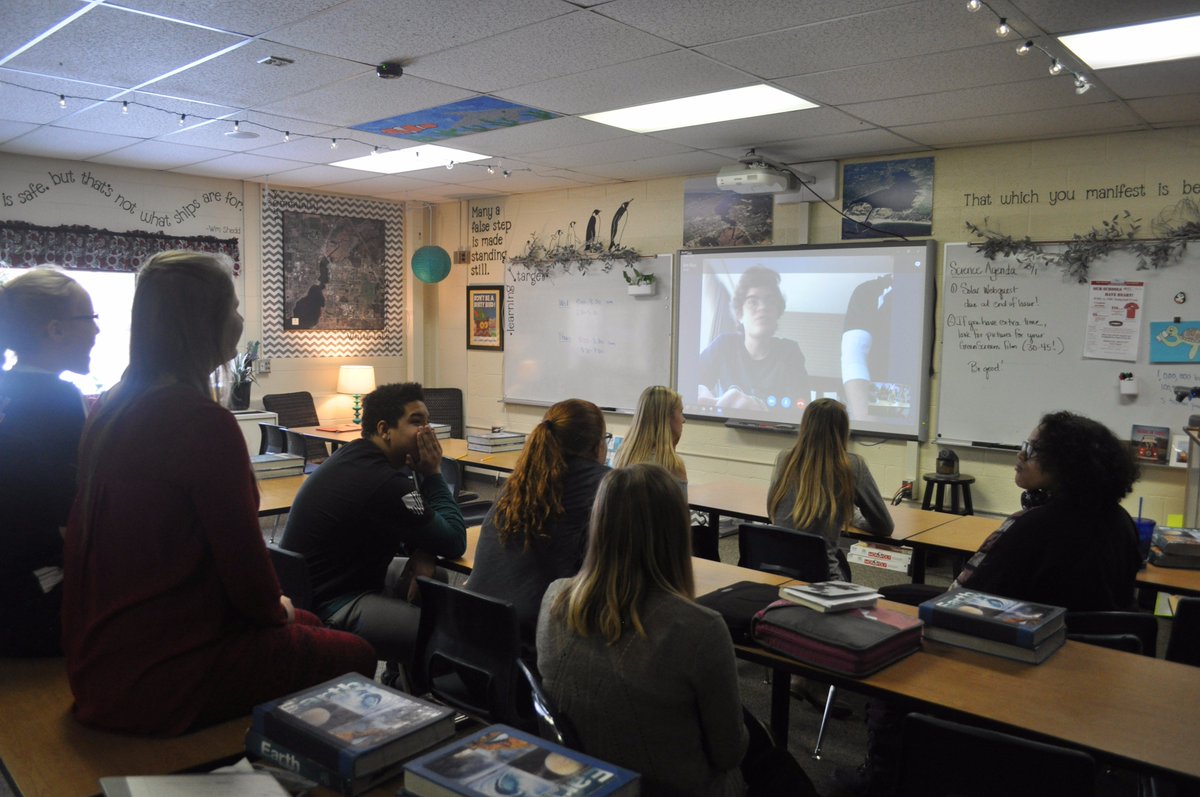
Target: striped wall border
(278, 342)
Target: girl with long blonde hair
(655, 432)
(623, 646)
(537, 530)
(818, 484)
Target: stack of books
(830, 596)
(348, 734)
(500, 760)
(885, 557)
(270, 466)
(1176, 548)
(442, 430)
(1019, 630)
(496, 442)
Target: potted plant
(242, 371)
(639, 282)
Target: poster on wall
(712, 217)
(1175, 342)
(484, 306)
(888, 198)
(1114, 324)
(333, 276)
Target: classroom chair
(272, 439)
(445, 405)
(941, 758)
(1093, 627)
(298, 444)
(552, 724)
(1184, 644)
(776, 549)
(292, 571)
(474, 509)
(466, 655)
(297, 409)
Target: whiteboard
(573, 335)
(1013, 341)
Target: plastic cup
(1145, 528)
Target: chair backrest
(1143, 625)
(292, 572)
(1126, 642)
(775, 549)
(552, 724)
(466, 655)
(473, 510)
(942, 758)
(272, 439)
(1184, 644)
(297, 409)
(445, 405)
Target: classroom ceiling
(888, 75)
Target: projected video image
(764, 332)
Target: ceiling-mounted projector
(755, 178)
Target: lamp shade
(431, 263)
(356, 379)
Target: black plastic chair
(1184, 644)
(942, 758)
(297, 409)
(292, 571)
(474, 509)
(466, 655)
(273, 439)
(1142, 625)
(445, 405)
(775, 549)
(298, 444)
(552, 724)
(1126, 642)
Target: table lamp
(356, 380)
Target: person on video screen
(866, 342)
(751, 368)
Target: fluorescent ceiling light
(1167, 40)
(426, 156)
(703, 109)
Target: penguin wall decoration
(618, 225)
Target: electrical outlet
(262, 366)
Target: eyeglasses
(92, 317)
(1027, 450)
(608, 437)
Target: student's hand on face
(429, 453)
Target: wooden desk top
(49, 754)
(1170, 579)
(963, 533)
(275, 496)
(505, 461)
(329, 437)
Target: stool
(958, 482)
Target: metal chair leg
(816, 753)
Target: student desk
(275, 496)
(46, 753)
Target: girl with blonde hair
(172, 614)
(47, 321)
(646, 675)
(818, 484)
(537, 530)
(655, 432)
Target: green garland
(545, 258)
(1175, 228)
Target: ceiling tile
(749, 132)
(884, 35)
(236, 78)
(34, 98)
(58, 142)
(242, 166)
(680, 73)
(408, 29)
(695, 22)
(561, 46)
(566, 131)
(13, 129)
(1073, 16)
(97, 47)
(1083, 120)
(238, 16)
(843, 145)
(1152, 80)
(1173, 110)
(684, 163)
(24, 20)
(613, 150)
(364, 98)
(270, 131)
(149, 115)
(158, 155)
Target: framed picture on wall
(485, 305)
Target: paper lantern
(431, 264)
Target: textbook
(500, 760)
(210, 784)
(884, 557)
(1177, 542)
(274, 755)
(1034, 655)
(990, 616)
(269, 466)
(496, 441)
(1173, 560)
(353, 726)
(829, 596)
(499, 448)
